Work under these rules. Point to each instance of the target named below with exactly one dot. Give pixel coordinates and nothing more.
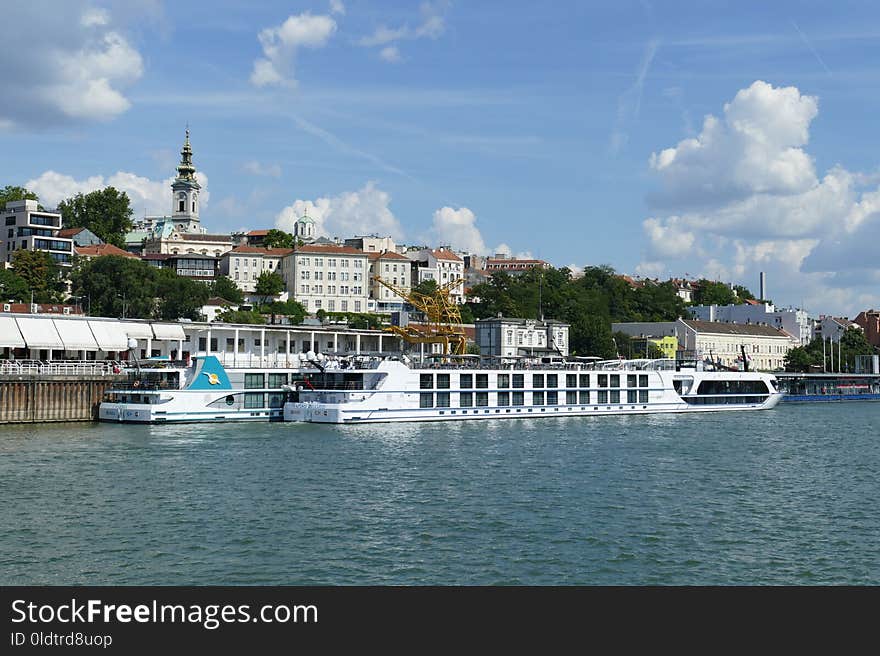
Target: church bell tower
(185, 192)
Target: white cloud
(432, 25)
(336, 7)
(458, 229)
(744, 196)
(152, 197)
(390, 54)
(361, 212)
(78, 72)
(280, 45)
(256, 168)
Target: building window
(203, 343)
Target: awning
(76, 335)
(110, 335)
(168, 331)
(136, 330)
(39, 333)
(10, 336)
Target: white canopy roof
(39, 333)
(136, 330)
(168, 331)
(110, 335)
(76, 335)
(9, 334)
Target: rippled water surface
(783, 496)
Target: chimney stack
(762, 287)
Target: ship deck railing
(60, 367)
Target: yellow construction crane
(442, 317)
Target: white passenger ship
(165, 392)
(390, 390)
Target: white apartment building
(329, 278)
(833, 328)
(33, 229)
(793, 321)
(244, 264)
(393, 268)
(508, 337)
(440, 265)
(372, 244)
(765, 346)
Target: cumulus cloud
(458, 229)
(361, 212)
(280, 45)
(336, 7)
(256, 168)
(744, 196)
(152, 197)
(78, 71)
(432, 25)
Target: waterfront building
(667, 345)
(833, 328)
(684, 289)
(329, 278)
(513, 265)
(244, 264)
(509, 337)
(80, 236)
(393, 268)
(204, 268)
(440, 265)
(30, 228)
(372, 244)
(54, 338)
(869, 320)
(793, 321)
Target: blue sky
(557, 129)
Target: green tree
(240, 316)
(117, 286)
(708, 292)
(269, 284)
(294, 311)
(13, 287)
(426, 287)
(278, 239)
(106, 212)
(41, 274)
(180, 298)
(802, 359)
(10, 193)
(224, 288)
(743, 294)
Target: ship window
(482, 398)
(537, 398)
(571, 398)
(632, 396)
(466, 399)
(277, 380)
(552, 398)
(643, 380)
(615, 380)
(518, 380)
(603, 396)
(426, 381)
(503, 398)
(426, 400)
(465, 381)
(254, 381)
(503, 380)
(603, 380)
(643, 396)
(276, 400)
(631, 380)
(442, 381)
(482, 381)
(732, 387)
(552, 380)
(537, 380)
(203, 343)
(571, 380)
(442, 399)
(518, 398)
(584, 397)
(252, 400)
(615, 396)
(585, 380)
(230, 400)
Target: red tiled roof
(67, 233)
(445, 255)
(387, 255)
(103, 249)
(258, 233)
(751, 301)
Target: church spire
(186, 170)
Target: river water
(787, 496)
